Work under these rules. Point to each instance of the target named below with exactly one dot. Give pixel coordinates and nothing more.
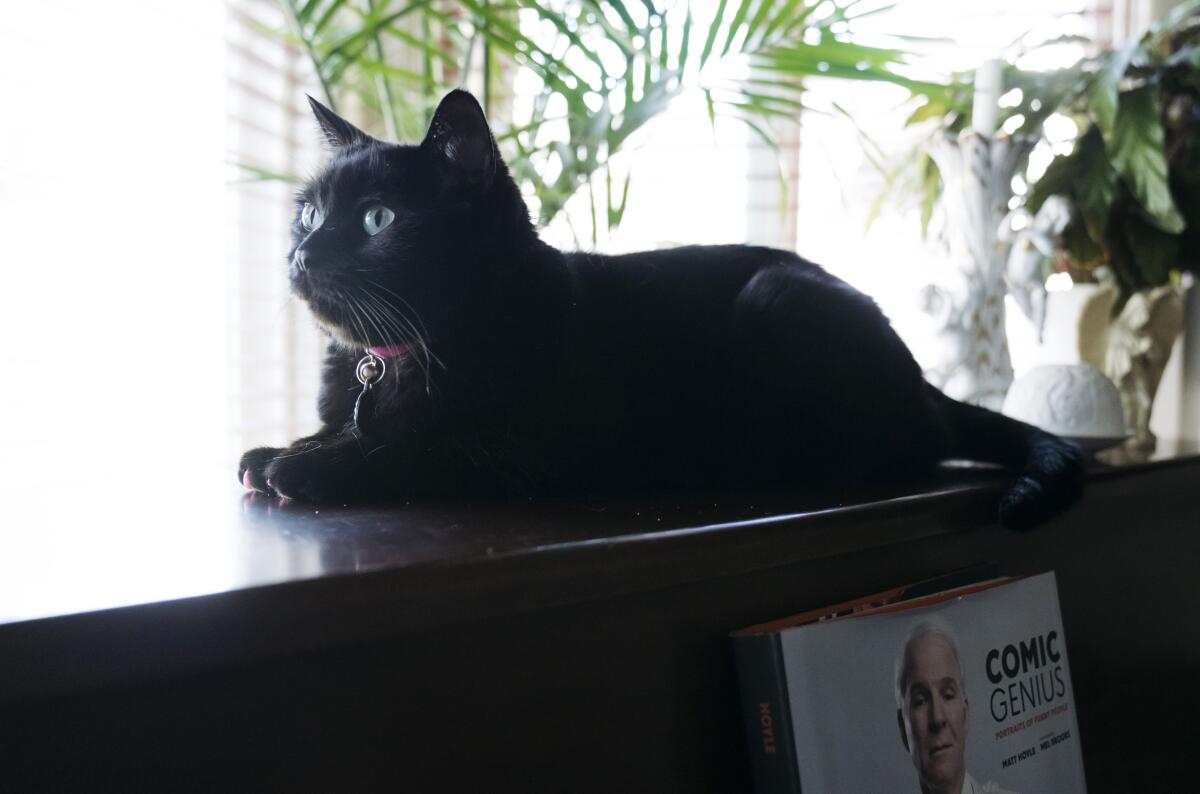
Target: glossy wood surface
(116, 547)
(126, 559)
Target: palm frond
(614, 66)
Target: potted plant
(1133, 184)
(601, 71)
(1130, 183)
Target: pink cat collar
(390, 351)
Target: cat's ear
(337, 131)
(461, 141)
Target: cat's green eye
(377, 218)
(310, 218)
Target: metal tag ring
(370, 369)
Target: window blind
(274, 348)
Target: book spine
(763, 683)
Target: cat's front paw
(252, 468)
(309, 476)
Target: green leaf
(616, 211)
(327, 17)
(1083, 249)
(1056, 181)
(753, 108)
(372, 25)
(931, 109)
(371, 66)
(735, 25)
(931, 191)
(763, 133)
(1162, 29)
(342, 38)
(610, 33)
(870, 12)
(559, 21)
(1186, 190)
(845, 60)
(623, 13)
(1094, 182)
(1155, 252)
(653, 102)
(303, 12)
(783, 19)
(297, 28)
(1138, 156)
(651, 9)
(756, 22)
(253, 173)
(871, 149)
(713, 28)
(686, 41)
(1118, 253)
(423, 46)
(875, 209)
(780, 102)
(835, 50)
(1188, 56)
(1105, 91)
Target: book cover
(965, 692)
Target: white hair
(919, 632)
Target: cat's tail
(1050, 468)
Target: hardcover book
(963, 691)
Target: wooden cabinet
(568, 646)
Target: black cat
(504, 366)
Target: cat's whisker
(385, 329)
(422, 334)
(398, 321)
(413, 338)
(385, 332)
(359, 327)
(395, 317)
(422, 347)
(369, 321)
(407, 305)
(395, 320)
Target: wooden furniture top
(103, 591)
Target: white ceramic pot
(1076, 401)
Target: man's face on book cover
(934, 713)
